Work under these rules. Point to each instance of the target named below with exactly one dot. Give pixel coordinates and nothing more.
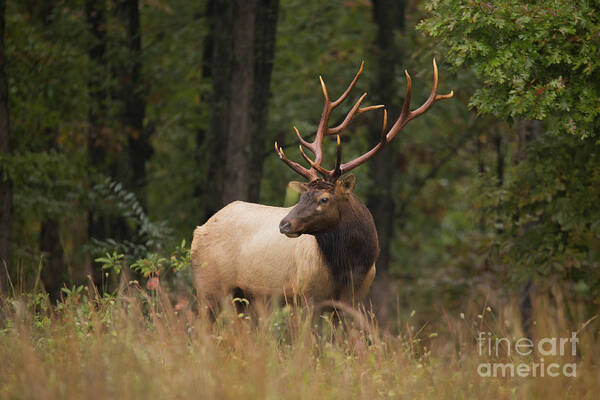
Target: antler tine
(312, 163)
(384, 125)
(348, 118)
(347, 92)
(302, 141)
(370, 108)
(354, 111)
(295, 166)
(328, 106)
(323, 130)
(324, 89)
(350, 165)
(433, 96)
(406, 104)
(405, 116)
(337, 171)
(317, 144)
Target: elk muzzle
(285, 227)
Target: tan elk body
(258, 259)
(325, 247)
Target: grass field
(137, 345)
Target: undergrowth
(150, 344)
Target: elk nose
(284, 226)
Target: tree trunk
(53, 274)
(528, 131)
(499, 159)
(240, 102)
(215, 142)
(5, 184)
(201, 135)
(388, 15)
(242, 60)
(134, 98)
(264, 52)
(54, 271)
(140, 149)
(95, 13)
(389, 18)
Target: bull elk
(325, 247)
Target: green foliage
(536, 60)
(547, 218)
(150, 265)
(155, 264)
(47, 75)
(513, 60)
(47, 182)
(74, 294)
(148, 235)
(533, 61)
(111, 263)
(180, 257)
(177, 108)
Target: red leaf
(152, 283)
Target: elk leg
(241, 300)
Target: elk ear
(347, 183)
(299, 187)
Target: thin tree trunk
(53, 274)
(480, 163)
(389, 18)
(201, 135)
(528, 131)
(499, 159)
(264, 51)
(240, 102)
(481, 171)
(133, 95)
(216, 139)
(243, 39)
(388, 15)
(6, 213)
(140, 149)
(95, 13)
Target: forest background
(124, 124)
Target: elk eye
(324, 200)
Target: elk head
(318, 209)
(326, 192)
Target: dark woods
(119, 86)
(6, 212)
(124, 124)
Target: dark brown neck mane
(351, 248)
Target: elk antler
(323, 130)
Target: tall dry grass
(140, 346)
